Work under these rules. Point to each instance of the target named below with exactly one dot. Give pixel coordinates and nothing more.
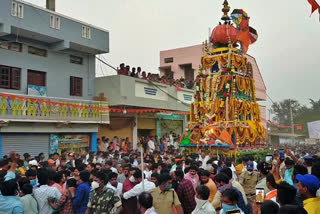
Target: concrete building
(133, 93)
(184, 62)
(47, 80)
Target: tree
(306, 115)
(281, 111)
(301, 115)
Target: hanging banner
(314, 129)
(36, 90)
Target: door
(188, 72)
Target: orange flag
(225, 137)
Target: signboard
(68, 142)
(35, 90)
(314, 129)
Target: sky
(287, 50)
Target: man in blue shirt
(9, 202)
(223, 183)
(80, 197)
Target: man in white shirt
(147, 170)
(151, 145)
(204, 159)
(145, 186)
(171, 139)
(114, 184)
(109, 165)
(203, 205)
(42, 193)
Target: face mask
(159, 171)
(187, 129)
(227, 207)
(168, 187)
(95, 185)
(224, 187)
(132, 179)
(34, 182)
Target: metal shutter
(25, 143)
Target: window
(52, 21)
(76, 60)
(76, 86)
(13, 46)
(86, 32)
(20, 11)
(168, 60)
(14, 8)
(37, 51)
(55, 22)
(37, 78)
(10, 77)
(17, 10)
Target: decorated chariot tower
(225, 113)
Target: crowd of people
(161, 180)
(138, 73)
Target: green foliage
(257, 155)
(301, 115)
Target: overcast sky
(287, 50)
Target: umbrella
(253, 35)
(238, 16)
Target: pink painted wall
(192, 55)
(188, 55)
(263, 113)
(261, 90)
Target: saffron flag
(314, 6)
(225, 137)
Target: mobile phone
(237, 211)
(268, 159)
(259, 195)
(281, 154)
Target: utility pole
(292, 125)
(142, 167)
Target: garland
(221, 83)
(238, 61)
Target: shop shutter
(25, 143)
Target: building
(47, 80)
(133, 94)
(184, 62)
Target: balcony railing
(16, 107)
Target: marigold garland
(214, 92)
(221, 83)
(238, 61)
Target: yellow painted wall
(119, 126)
(147, 123)
(110, 133)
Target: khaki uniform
(249, 182)
(163, 201)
